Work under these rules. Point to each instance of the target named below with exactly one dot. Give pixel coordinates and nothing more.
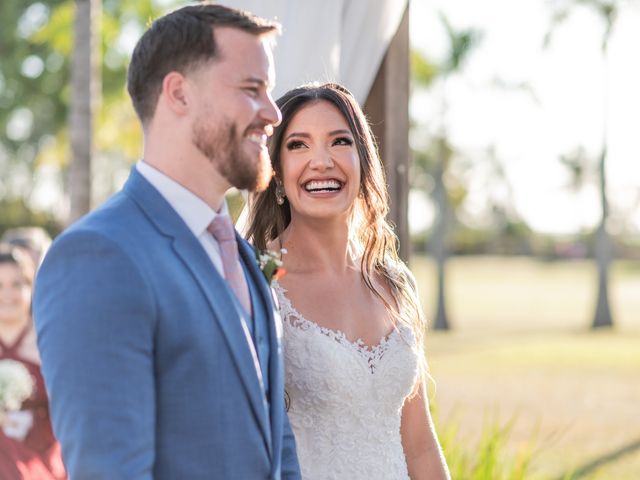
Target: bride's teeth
(322, 185)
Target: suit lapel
(276, 378)
(188, 249)
(248, 256)
(231, 323)
(276, 371)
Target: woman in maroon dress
(28, 449)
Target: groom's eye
(253, 91)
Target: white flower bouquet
(16, 385)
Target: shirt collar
(191, 208)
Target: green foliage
(435, 155)
(607, 10)
(490, 460)
(235, 203)
(33, 73)
(461, 44)
(423, 71)
(36, 48)
(15, 213)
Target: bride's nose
(321, 160)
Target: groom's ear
(174, 88)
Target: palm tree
(461, 44)
(608, 11)
(85, 88)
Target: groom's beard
(223, 147)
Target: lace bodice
(345, 398)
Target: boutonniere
(270, 264)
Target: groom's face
(236, 114)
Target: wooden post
(387, 108)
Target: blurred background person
(35, 240)
(28, 449)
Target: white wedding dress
(345, 399)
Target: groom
(160, 345)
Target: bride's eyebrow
(298, 134)
(340, 132)
(331, 134)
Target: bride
(353, 328)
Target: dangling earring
(280, 195)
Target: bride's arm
(420, 442)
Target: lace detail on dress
(346, 398)
(372, 354)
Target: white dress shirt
(191, 208)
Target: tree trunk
(439, 239)
(603, 247)
(603, 254)
(85, 92)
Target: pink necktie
(222, 230)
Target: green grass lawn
(505, 294)
(521, 350)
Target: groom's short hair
(180, 41)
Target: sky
(531, 129)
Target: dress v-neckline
(13, 348)
(371, 353)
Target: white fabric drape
(329, 40)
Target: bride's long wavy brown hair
(371, 236)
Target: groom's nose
(270, 112)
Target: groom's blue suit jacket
(149, 369)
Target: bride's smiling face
(320, 163)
